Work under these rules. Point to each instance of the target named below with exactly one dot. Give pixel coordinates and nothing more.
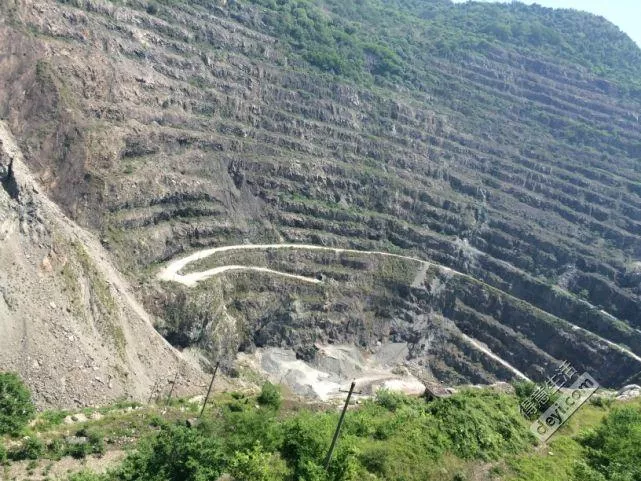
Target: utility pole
(171, 391)
(153, 391)
(209, 390)
(328, 459)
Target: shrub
(156, 421)
(305, 442)
(16, 407)
(31, 448)
(257, 465)
(242, 429)
(364, 422)
(310, 471)
(270, 396)
(482, 424)
(601, 402)
(93, 444)
(49, 419)
(613, 450)
(176, 452)
(3, 455)
(152, 8)
(375, 459)
(56, 449)
(390, 400)
(95, 440)
(236, 406)
(87, 476)
(523, 389)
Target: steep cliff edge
(69, 323)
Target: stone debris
(629, 392)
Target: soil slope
(69, 323)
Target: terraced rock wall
(184, 126)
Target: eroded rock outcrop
(69, 323)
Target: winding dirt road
(172, 273)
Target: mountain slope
(447, 133)
(69, 324)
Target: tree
(16, 407)
(270, 396)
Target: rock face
(68, 322)
(191, 124)
(335, 368)
(629, 392)
(457, 328)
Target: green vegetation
(391, 437)
(525, 389)
(16, 407)
(597, 444)
(84, 442)
(613, 450)
(31, 448)
(383, 438)
(270, 396)
(49, 419)
(558, 465)
(393, 38)
(257, 465)
(326, 42)
(176, 452)
(92, 443)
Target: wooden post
(153, 390)
(328, 459)
(209, 390)
(171, 391)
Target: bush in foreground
(16, 407)
(270, 396)
(175, 453)
(613, 450)
(257, 465)
(31, 448)
(390, 438)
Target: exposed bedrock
(194, 125)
